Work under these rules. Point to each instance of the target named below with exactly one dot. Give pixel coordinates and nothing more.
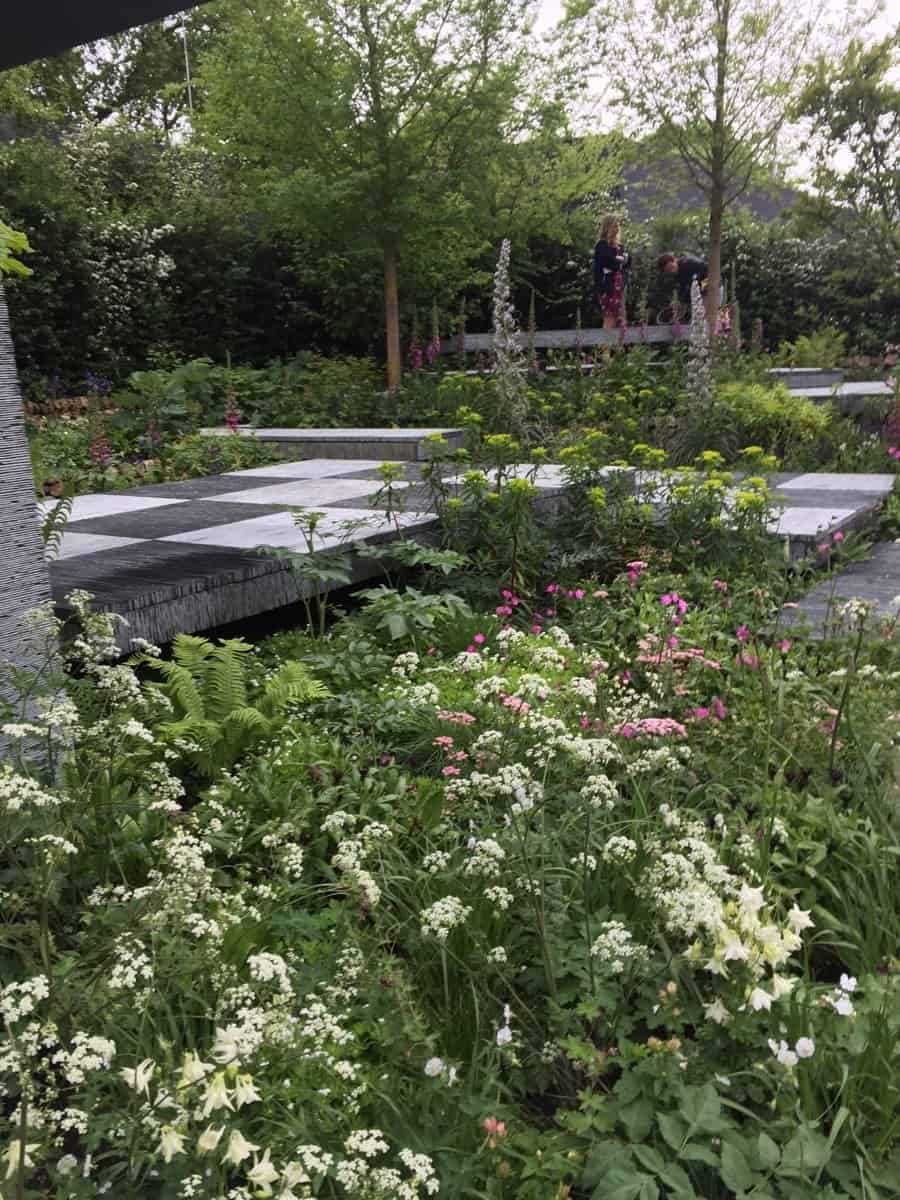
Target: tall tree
(852, 107)
(716, 78)
(370, 118)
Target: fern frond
(292, 683)
(182, 688)
(226, 687)
(192, 652)
(53, 526)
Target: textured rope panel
(23, 573)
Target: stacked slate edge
(24, 583)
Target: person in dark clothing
(687, 269)
(611, 266)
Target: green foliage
(216, 721)
(53, 526)
(823, 348)
(12, 244)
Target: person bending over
(686, 269)
(611, 266)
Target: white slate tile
(305, 493)
(279, 529)
(310, 468)
(108, 504)
(827, 481)
(74, 544)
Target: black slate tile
(171, 519)
(198, 489)
(153, 572)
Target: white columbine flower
(760, 999)
(209, 1139)
(138, 1078)
(193, 1069)
(848, 983)
(434, 1067)
(67, 1165)
(216, 1094)
(798, 920)
(717, 1012)
(238, 1148)
(245, 1091)
(805, 1047)
(783, 1053)
(262, 1174)
(504, 1035)
(171, 1142)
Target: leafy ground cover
(584, 891)
(150, 430)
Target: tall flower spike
(509, 361)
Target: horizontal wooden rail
(573, 339)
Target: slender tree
(852, 110)
(368, 115)
(716, 78)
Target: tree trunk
(23, 583)
(392, 318)
(717, 166)
(714, 279)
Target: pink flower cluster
(836, 539)
(719, 585)
(479, 639)
(894, 452)
(635, 570)
(517, 704)
(455, 718)
(652, 727)
(674, 601)
(510, 603)
(715, 712)
(453, 756)
(653, 654)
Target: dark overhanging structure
(34, 29)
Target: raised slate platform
(851, 398)
(400, 445)
(807, 377)
(185, 556)
(876, 580)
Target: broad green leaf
(694, 1153)
(767, 1152)
(805, 1152)
(649, 1158)
(637, 1119)
(604, 1157)
(736, 1172)
(671, 1128)
(677, 1180)
(702, 1109)
(626, 1183)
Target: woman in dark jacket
(611, 265)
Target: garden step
(875, 580)
(404, 445)
(806, 377)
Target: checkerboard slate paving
(190, 555)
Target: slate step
(399, 445)
(875, 580)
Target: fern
(53, 526)
(206, 683)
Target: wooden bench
(572, 339)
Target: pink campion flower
(719, 585)
(743, 633)
(450, 771)
(676, 620)
(837, 537)
(470, 649)
(506, 594)
(551, 612)
(585, 723)
(784, 645)
(578, 593)
(626, 677)
(720, 712)
(536, 629)
(479, 639)
(894, 451)
(823, 547)
(552, 588)
(750, 661)
(672, 643)
(503, 610)
(386, 760)
(701, 713)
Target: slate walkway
(186, 556)
(876, 580)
